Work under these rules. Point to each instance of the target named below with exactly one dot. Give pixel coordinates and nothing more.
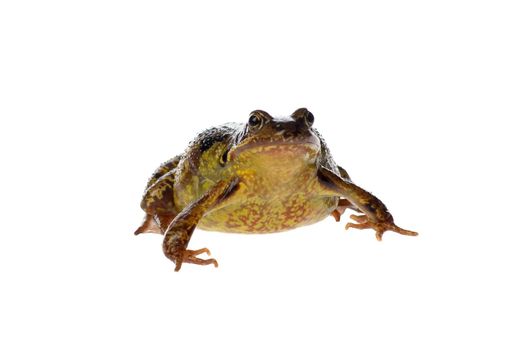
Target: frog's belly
(258, 216)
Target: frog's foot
(190, 256)
(148, 226)
(379, 227)
(155, 224)
(337, 215)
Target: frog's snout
(285, 134)
(298, 126)
(295, 131)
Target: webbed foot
(379, 227)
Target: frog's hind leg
(163, 169)
(150, 223)
(159, 204)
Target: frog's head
(270, 141)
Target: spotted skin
(268, 175)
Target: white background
(420, 101)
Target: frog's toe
(198, 261)
(198, 252)
(379, 227)
(337, 215)
(190, 256)
(341, 207)
(359, 218)
(364, 225)
(148, 226)
(402, 231)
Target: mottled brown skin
(269, 175)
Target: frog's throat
(311, 144)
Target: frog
(269, 174)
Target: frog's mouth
(304, 148)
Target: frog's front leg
(376, 215)
(179, 232)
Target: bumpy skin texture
(269, 175)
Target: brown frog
(269, 175)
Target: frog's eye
(255, 121)
(309, 118)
